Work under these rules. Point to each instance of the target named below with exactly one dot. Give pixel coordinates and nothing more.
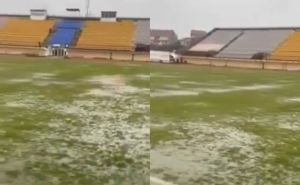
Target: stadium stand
(216, 40)
(159, 37)
(288, 50)
(40, 34)
(253, 43)
(142, 35)
(63, 37)
(3, 22)
(21, 32)
(65, 33)
(118, 36)
(68, 24)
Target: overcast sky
(180, 15)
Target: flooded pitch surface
(224, 126)
(73, 123)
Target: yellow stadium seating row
(289, 50)
(25, 32)
(107, 36)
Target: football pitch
(84, 122)
(224, 126)
(76, 122)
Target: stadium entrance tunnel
(57, 52)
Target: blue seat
(69, 25)
(63, 37)
(65, 33)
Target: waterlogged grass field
(225, 126)
(78, 122)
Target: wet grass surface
(76, 122)
(225, 126)
(82, 122)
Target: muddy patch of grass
(240, 126)
(65, 131)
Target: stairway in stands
(47, 39)
(76, 38)
(65, 33)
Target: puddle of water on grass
(291, 100)
(116, 85)
(43, 76)
(142, 77)
(197, 91)
(109, 80)
(39, 79)
(194, 83)
(20, 80)
(98, 93)
(213, 154)
(165, 93)
(172, 86)
(51, 82)
(93, 137)
(161, 75)
(207, 150)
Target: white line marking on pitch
(159, 181)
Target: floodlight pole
(87, 7)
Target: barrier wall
(123, 56)
(21, 51)
(88, 54)
(74, 53)
(106, 55)
(244, 63)
(142, 56)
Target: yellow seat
(289, 50)
(107, 36)
(25, 32)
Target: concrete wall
(88, 54)
(21, 51)
(106, 55)
(244, 63)
(76, 53)
(144, 57)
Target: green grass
(53, 132)
(242, 122)
(82, 122)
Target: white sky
(180, 15)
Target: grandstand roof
(256, 28)
(78, 17)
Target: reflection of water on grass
(100, 134)
(232, 128)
